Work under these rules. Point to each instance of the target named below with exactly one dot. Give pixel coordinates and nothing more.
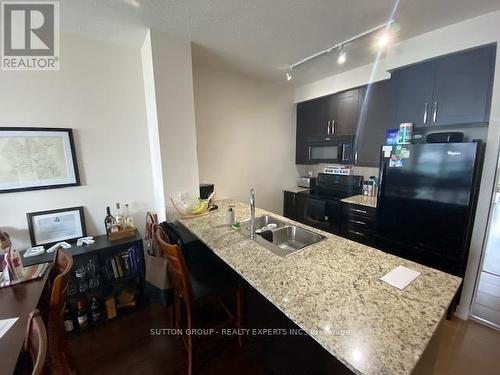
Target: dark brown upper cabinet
(450, 90)
(332, 115)
(377, 114)
(346, 117)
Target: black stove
(322, 208)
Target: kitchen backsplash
(366, 172)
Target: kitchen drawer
(359, 236)
(359, 210)
(359, 224)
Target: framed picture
(37, 158)
(49, 227)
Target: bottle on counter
(370, 188)
(83, 320)
(68, 321)
(128, 218)
(365, 188)
(119, 222)
(230, 216)
(109, 221)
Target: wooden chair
(60, 357)
(189, 294)
(35, 343)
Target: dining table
(17, 301)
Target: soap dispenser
(230, 216)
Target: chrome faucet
(252, 214)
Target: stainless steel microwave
(335, 149)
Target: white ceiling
(262, 37)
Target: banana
(201, 208)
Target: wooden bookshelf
(126, 254)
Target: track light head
(289, 75)
(342, 57)
(383, 40)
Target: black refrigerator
(426, 202)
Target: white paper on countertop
(5, 325)
(400, 277)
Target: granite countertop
(332, 291)
(362, 200)
(296, 189)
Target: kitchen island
(332, 290)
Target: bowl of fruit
(194, 207)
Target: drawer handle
(358, 222)
(360, 211)
(358, 233)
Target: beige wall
(246, 135)
(99, 93)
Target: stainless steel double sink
(281, 238)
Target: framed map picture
(49, 227)
(37, 158)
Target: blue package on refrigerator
(392, 136)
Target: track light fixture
(382, 42)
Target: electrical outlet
(182, 196)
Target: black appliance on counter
(334, 149)
(322, 208)
(206, 190)
(427, 201)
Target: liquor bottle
(68, 321)
(108, 221)
(83, 320)
(95, 309)
(129, 220)
(119, 217)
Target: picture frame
(37, 158)
(52, 226)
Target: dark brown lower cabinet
(290, 205)
(358, 223)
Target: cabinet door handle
(434, 115)
(328, 127)
(333, 127)
(358, 222)
(309, 154)
(360, 211)
(358, 233)
(425, 112)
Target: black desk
(101, 242)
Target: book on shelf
(122, 264)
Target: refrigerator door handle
(434, 115)
(425, 112)
(328, 127)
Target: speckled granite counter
(362, 200)
(296, 189)
(332, 291)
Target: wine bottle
(68, 321)
(108, 221)
(95, 309)
(83, 320)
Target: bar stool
(60, 357)
(190, 294)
